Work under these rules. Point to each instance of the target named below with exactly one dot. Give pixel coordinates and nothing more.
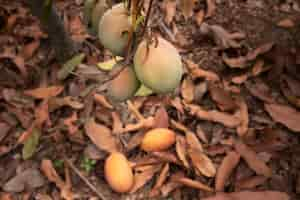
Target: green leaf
(31, 144)
(143, 91)
(70, 66)
(109, 64)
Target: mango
(160, 67)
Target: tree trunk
(53, 25)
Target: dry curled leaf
(222, 37)
(197, 72)
(187, 7)
(252, 159)
(242, 129)
(250, 183)
(143, 175)
(285, 115)
(243, 61)
(135, 141)
(226, 119)
(58, 102)
(194, 184)
(222, 97)
(246, 195)
(160, 180)
(187, 90)
(202, 163)
(260, 90)
(226, 168)
(101, 136)
(101, 100)
(117, 123)
(161, 118)
(44, 92)
(170, 10)
(181, 150)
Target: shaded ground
(269, 93)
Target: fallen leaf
(6, 196)
(64, 186)
(285, 115)
(58, 102)
(109, 64)
(194, 184)
(201, 134)
(260, 90)
(250, 183)
(29, 49)
(226, 119)
(246, 195)
(222, 37)
(135, 141)
(286, 23)
(187, 7)
(197, 72)
(187, 90)
(117, 123)
(243, 61)
(226, 168)
(166, 156)
(77, 29)
(144, 175)
(176, 103)
(181, 150)
(160, 180)
(4, 129)
(70, 123)
(31, 178)
(211, 7)
(293, 85)
(44, 92)
(172, 185)
(101, 136)
(161, 118)
(101, 100)
(200, 17)
(18, 61)
(70, 66)
(202, 163)
(31, 144)
(170, 10)
(222, 97)
(252, 159)
(192, 141)
(242, 129)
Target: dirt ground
(238, 106)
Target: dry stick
(85, 180)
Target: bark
(53, 25)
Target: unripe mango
(158, 67)
(118, 173)
(113, 29)
(124, 85)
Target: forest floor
(236, 113)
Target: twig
(147, 17)
(85, 180)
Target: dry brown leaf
(181, 150)
(258, 67)
(144, 175)
(161, 118)
(142, 124)
(285, 115)
(246, 195)
(222, 97)
(50, 172)
(29, 49)
(242, 129)
(117, 123)
(170, 10)
(286, 23)
(242, 62)
(250, 183)
(44, 92)
(197, 72)
(188, 7)
(200, 133)
(58, 102)
(252, 159)
(6, 196)
(187, 90)
(70, 123)
(101, 100)
(194, 184)
(101, 136)
(200, 17)
(260, 90)
(192, 141)
(18, 61)
(160, 180)
(211, 7)
(202, 163)
(293, 85)
(226, 119)
(176, 103)
(226, 168)
(135, 141)
(166, 157)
